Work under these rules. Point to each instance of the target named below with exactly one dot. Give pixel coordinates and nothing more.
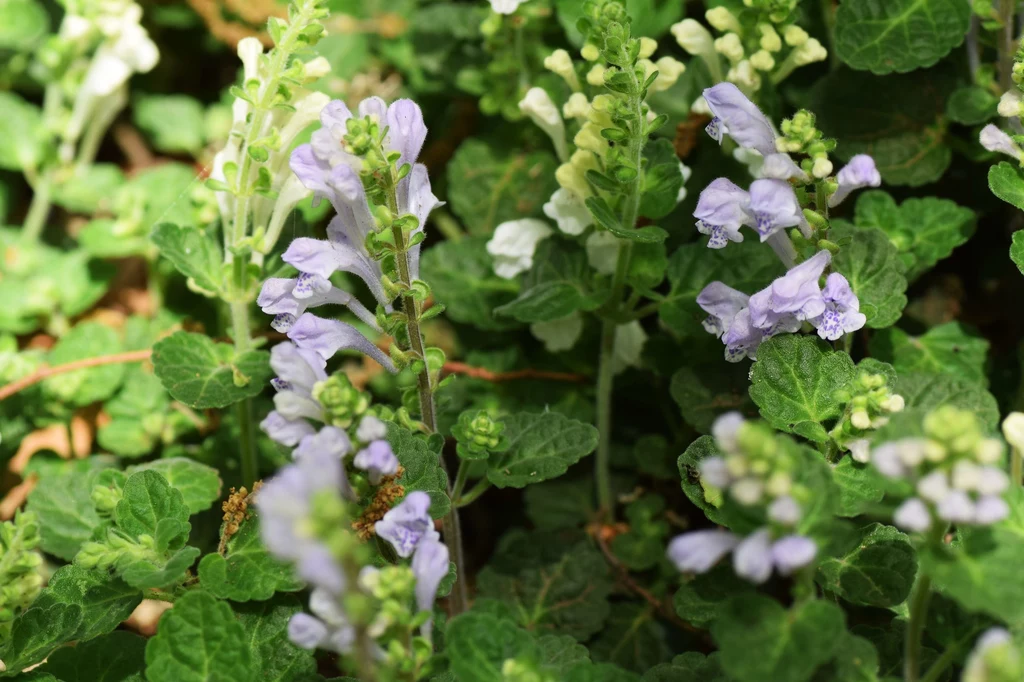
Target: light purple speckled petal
(722, 303)
(327, 337)
(698, 551)
(739, 118)
(859, 172)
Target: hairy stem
(1006, 44)
(919, 601)
(482, 486)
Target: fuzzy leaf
(478, 644)
(946, 349)
(878, 571)
(662, 179)
(1006, 182)
(203, 373)
(541, 446)
(85, 386)
(115, 657)
(193, 252)
(972, 105)
(24, 141)
(198, 483)
(1017, 250)
(461, 275)
(175, 123)
(275, 658)
(871, 263)
(633, 638)
(929, 391)
(422, 468)
(700, 599)
(794, 381)
(559, 283)
(67, 515)
(246, 571)
(860, 486)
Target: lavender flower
(328, 629)
(722, 303)
(775, 207)
(754, 557)
(739, 118)
(327, 337)
(913, 515)
(378, 460)
(859, 172)
(842, 309)
(306, 631)
(781, 167)
(286, 299)
(371, 429)
(743, 338)
(298, 371)
(793, 552)
(699, 551)
(792, 298)
(406, 525)
(285, 431)
(994, 139)
(722, 209)
(430, 566)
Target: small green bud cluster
(800, 136)
(342, 402)
(20, 579)
(478, 435)
(868, 403)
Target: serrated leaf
(106, 601)
(199, 484)
(662, 180)
(1017, 250)
(860, 486)
(85, 386)
(489, 185)
(422, 468)
(478, 644)
(856, 661)
(560, 503)
(559, 284)
(1006, 182)
(946, 349)
(138, 416)
(701, 598)
(870, 262)
(929, 391)
(551, 588)
(193, 252)
(879, 570)
(174, 123)
(708, 386)
(461, 275)
(275, 658)
(201, 373)
(794, 382)
(541, 446)
(37, 632)
(972, 105)
(689, 667)
(246, 571)
(147, 500)
(708, 500)
(67, 515)
(115, 657)
(199, 640)
(899, 35)
(632, 639)
(759, 640)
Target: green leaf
(541, 446)
(879, 570)
(422, 468)
(925, 230)
(160, 194)
(558, 284)
(981, 570)
(972, 105)
(174, 123)
(1017, 250)
(90, 189)
(708, 386)
(246, 571)
(199, 640)
(710, 499)
(461, 275)
(601, 672)
(202, 373)
(147, 501)
(871, 263)
(700, 599)
(794, 381)
(106, 601)
(929, 391)
(901, 125)
(662, 179)
(490, 184)
(23, 23)
(946, 349)
(860, 486)
(647, 266)
(193, 252)
(560, 503)
(689, 667)
(561, 653)
(67, 515)
(745, 266)
(632, 638)
(37, 632)
(85, 386)
(899, 35)
(759, 640)
(642, 547)
(115, 657)
(107, 238)
(550, 587)
(81, 282)
(24, 142)
(199, 484)
(856, 661)
(140, 417)
(1007, 182)
(275, 658)
(478, 644)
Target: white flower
(934, 487)
(1013, 430)
(506, 6)
(1009, 104)
(913, 515)
(603, 251)
(860, 449)
(559, 335)
(370, 429)
(577, 106)
(730, 47)
(513, 244)
(538, 106)
(629, 345)
(725, 431)
(568, 211)
(723, 20)
(810, 52)
(693, 37)
(784, 510)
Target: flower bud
(730, 47)
(596, 75)
(810, 52)
(770, 39)
(822, 168)
(560, 62)
(647, 47)
(590, 52)
(1009, 104)
(762, 60)
(693, 37)
(723, 20)
(1013, 430)
(343, 403)
(577, 106)
(795, 36)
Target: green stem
(460, 479)
(1016, 466)
(1006, 45)
(482, 486)
(605, 383)
(39, 210)
(915, 626)
(947, 658)
(447, 225)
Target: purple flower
(378, 459)
(726, 431)
(407, 524)
(859, 172)
(956, 507)
(752, 559)
(430, 566)
(331, 442)
(285, 431)
(792, 553)
(739, 118)
(775, 207)
(714, 471)
(792, 298)
(298, 371)
(722, 209)
(913, 515)
(371, 429)
(286, 299)
(995, 140)
(722, 303)
(785, 511)
(990, 509)
(743, 338)
(842, 309)
(327, 337)
(698, 551)
(306, 632)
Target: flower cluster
(755, 471)
(346, 159)
(743, 322)
(765, 43)
(868, 403)
(995, 658)
(771, 204)
(953, 469)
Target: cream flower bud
(1009, 104)
(990, 450)
(589, 138)
(590, 52)
(762, 60)
(577, 106)
(700, 106)
(745, 76)
(860, 419)
(1013, 430)
(770, 39)
(860, 450)
(730, 47)
(723, 20)
(596, 75)
(822, 168)
(747, 491)
(669, 70)
(894, 403)
(647, 47)
(249, 51)
(693, 37)
(317, 68)
(794, 36)
(560, 63)
(542, 111)
(810, 52)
